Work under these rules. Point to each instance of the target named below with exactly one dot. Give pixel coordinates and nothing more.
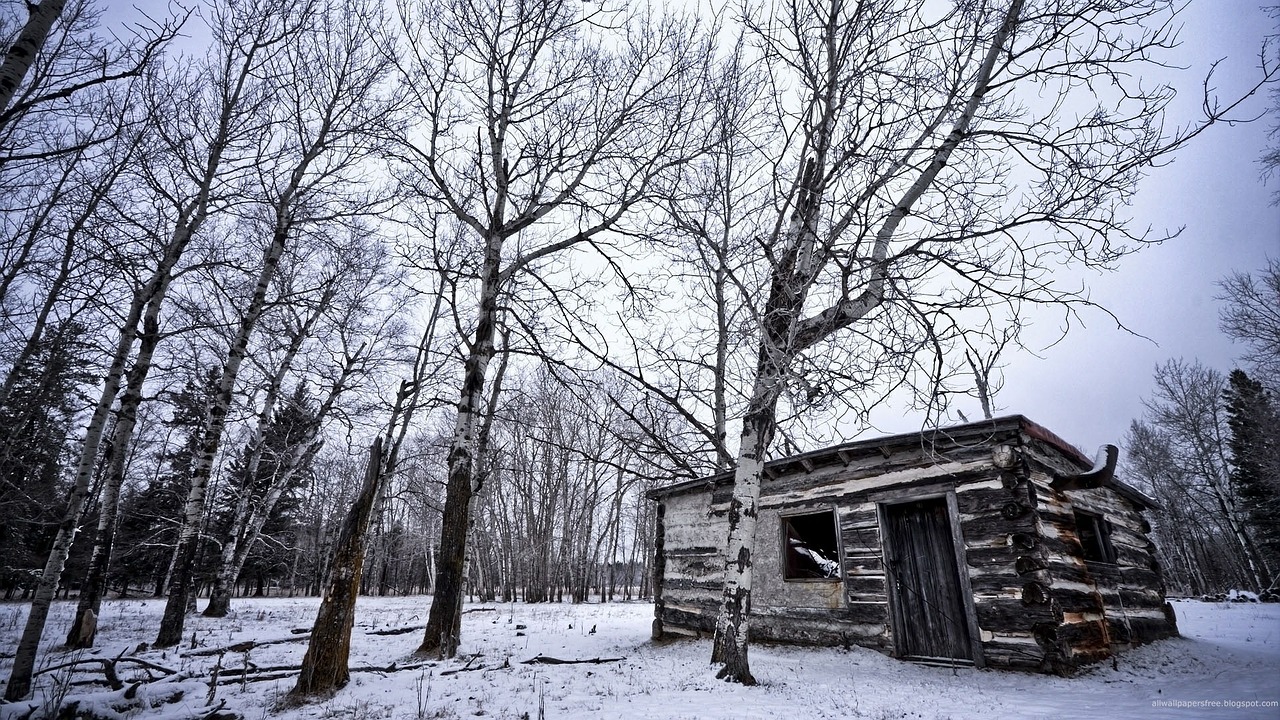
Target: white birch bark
(247, 513)
(22, 53)
(338, 125)
(172, 624)
(149, 297)
(784, 334)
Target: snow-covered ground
(1229, 655)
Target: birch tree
(55, 61)
(1182, 449)
(920, 173)
(543, 126)
(21, 54)
(1251, 317)
(354, 282)
(321, 104)
(82, 475)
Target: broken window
(1095, 537)
(811, 551)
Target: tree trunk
(95, 582)
(784, 334)
(324, 667)
(174, 619)
(730, 643)
(247, 521)
(446, 602)
(149, 296)
(22, 54)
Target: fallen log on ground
(281, 672)
(412, 628)
(396, 631)
(246, 645)
(109, 668)
(174, 693)
(548, 660)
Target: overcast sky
(1089, 387)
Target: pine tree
(259, 500)
(1254, 447)
(34, 424)
(149, 516)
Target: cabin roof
(968, 434)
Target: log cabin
(993, 544)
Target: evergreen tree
(150, 515)
(253, 473)
(34, 425)
(1254, 447)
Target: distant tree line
(1208, 448)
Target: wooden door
(930, 619)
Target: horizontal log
(1141, 577)
(996, 583)
(1012, 655)
(1077, 601)
(983, 501)
(865, 587)
(859, 519)
(977, 530)
(694, 551)
(866, 613)
(824, 633)
(861, 542)
(1145, 630)
(1026, 564)
(688, 620)
(1141, 598)
(864, 565)
(1001, 556)
(695, 566)
(1010, 615)
(676, 584)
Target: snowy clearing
(1230, 654)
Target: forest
(422, 297)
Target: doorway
(927, 607)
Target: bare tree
(20, 677)
(22, 53)
(918, 177)
(353, 283)
(54, 60)
(544, 125)
(1251, 317)
(1182, 452)
(324, 667)
(323, 90)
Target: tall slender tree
(1254, 447)
(545, 125)
(322, 103)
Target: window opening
(1095, 538)
(811, 551)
